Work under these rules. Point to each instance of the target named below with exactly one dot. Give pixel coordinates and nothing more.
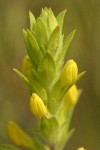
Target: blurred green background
(84, 15)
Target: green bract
(46, 49)
(49, 80)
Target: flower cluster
(52, 82)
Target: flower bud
(18, 136)
(81, 148)
(37, 106)
(46, 148)
(26, 66)
(69, 74)
(71, 96)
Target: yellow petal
(81, 148)
(71, 96)
(69, 74)
(18, 136)
(37, 106)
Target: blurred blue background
(84, 15)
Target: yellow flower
(71, 96)
(46, 148)
(69, 74)
(26, 66)
(18, 136)
(81, 148)
(37, 106)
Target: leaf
(41, 33)
(8, 147)
(52, 103)
(52, 22)
(68, 40)
(28, 50)
(55, 41)
(57, 93)
(33, 49)
(27, 81)
(27, 66)
(30, 76)
(81, 74)
(60, 18)
(29, 71)
(49, 128)
(32, 21)
(44, 14)
(61, 54)
(64, 139)
(43, 95)
(22, 76)
(32, 81)
(47, 69)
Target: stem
(52, 147)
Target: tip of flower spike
(37, 106)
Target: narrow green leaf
(30, 76)
(41, 32)
(36, 83)
(22, 76)
(60, 18)
(68, 40)
(32, 21)
(55, 41)
(81, 74)
(43, 95)
(33, 49)
(64, 138)
(57, 93)
(27, 66)
(52, 103)
(49, 128)
(28, 50)
(52, 22)
(25, 37)
(8, 147)
(61, 54)
(47, 69)
(44, 15)
(26, 80)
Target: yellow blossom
(26, 66)
(37, 106)
(18, 136)
(47, 148)
(81, 148)
(71, 96)
(69, 74)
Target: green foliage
(48, 80)
(60, 19)
(49, 127)
(8, 147)
(47, 69)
